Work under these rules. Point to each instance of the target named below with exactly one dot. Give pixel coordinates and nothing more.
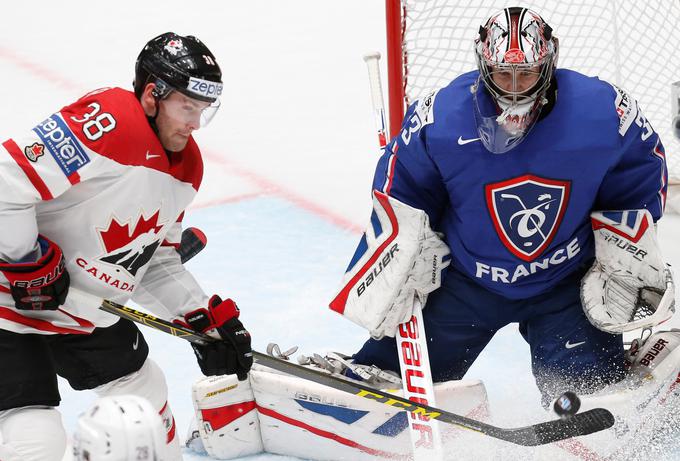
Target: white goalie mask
(516, 56)
(120, 428)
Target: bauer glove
(231, 354)
(39, 285)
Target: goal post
(395, 64)
(633, 44)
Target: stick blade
(588, 422)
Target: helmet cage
(516, 56)
(515, 95)
(517, 41)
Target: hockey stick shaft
(372, 63)
(538, 434)
(414, 359)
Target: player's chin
(176, 143)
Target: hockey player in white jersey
(91, 204)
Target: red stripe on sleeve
(28, 169)
(74, 178)
(38, 324)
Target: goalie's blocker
(399, 258)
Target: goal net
(633, 44)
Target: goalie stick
(414, 359)
(585, 423)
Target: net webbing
(630, 43)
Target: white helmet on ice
(120, 428)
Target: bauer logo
(205, 87)
(62, 144)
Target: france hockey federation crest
(526, 212)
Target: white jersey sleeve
(167, 288)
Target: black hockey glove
(40, 285)
(231, 355)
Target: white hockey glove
(629, 286)
(398, 259)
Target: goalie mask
(516, 56)
(120, 428)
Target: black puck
(567, 404)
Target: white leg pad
(32, 434)
(226, 417)
(148, 382)
(307, 420)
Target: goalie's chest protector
(105, 191)
(519, 222)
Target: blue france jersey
(519, 222)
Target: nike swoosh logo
(569, 345)
(135, 345)
(150, 156)
(462, 142)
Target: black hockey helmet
(175, 62)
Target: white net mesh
(630, 43)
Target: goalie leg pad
(226, 417)
(32, 434)
(304, 419)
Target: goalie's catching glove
(232, 353)
(629, 286)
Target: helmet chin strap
(152, 118)
(157, 96)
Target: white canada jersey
(95, 179)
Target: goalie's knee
(32, 434)
(226, 417)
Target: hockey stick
(585, 423)
(414, 359)
(193, 241)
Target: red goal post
(634, 44)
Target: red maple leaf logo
(117, 235)
(34, 151)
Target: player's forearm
(19, 232)
(167, 285)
